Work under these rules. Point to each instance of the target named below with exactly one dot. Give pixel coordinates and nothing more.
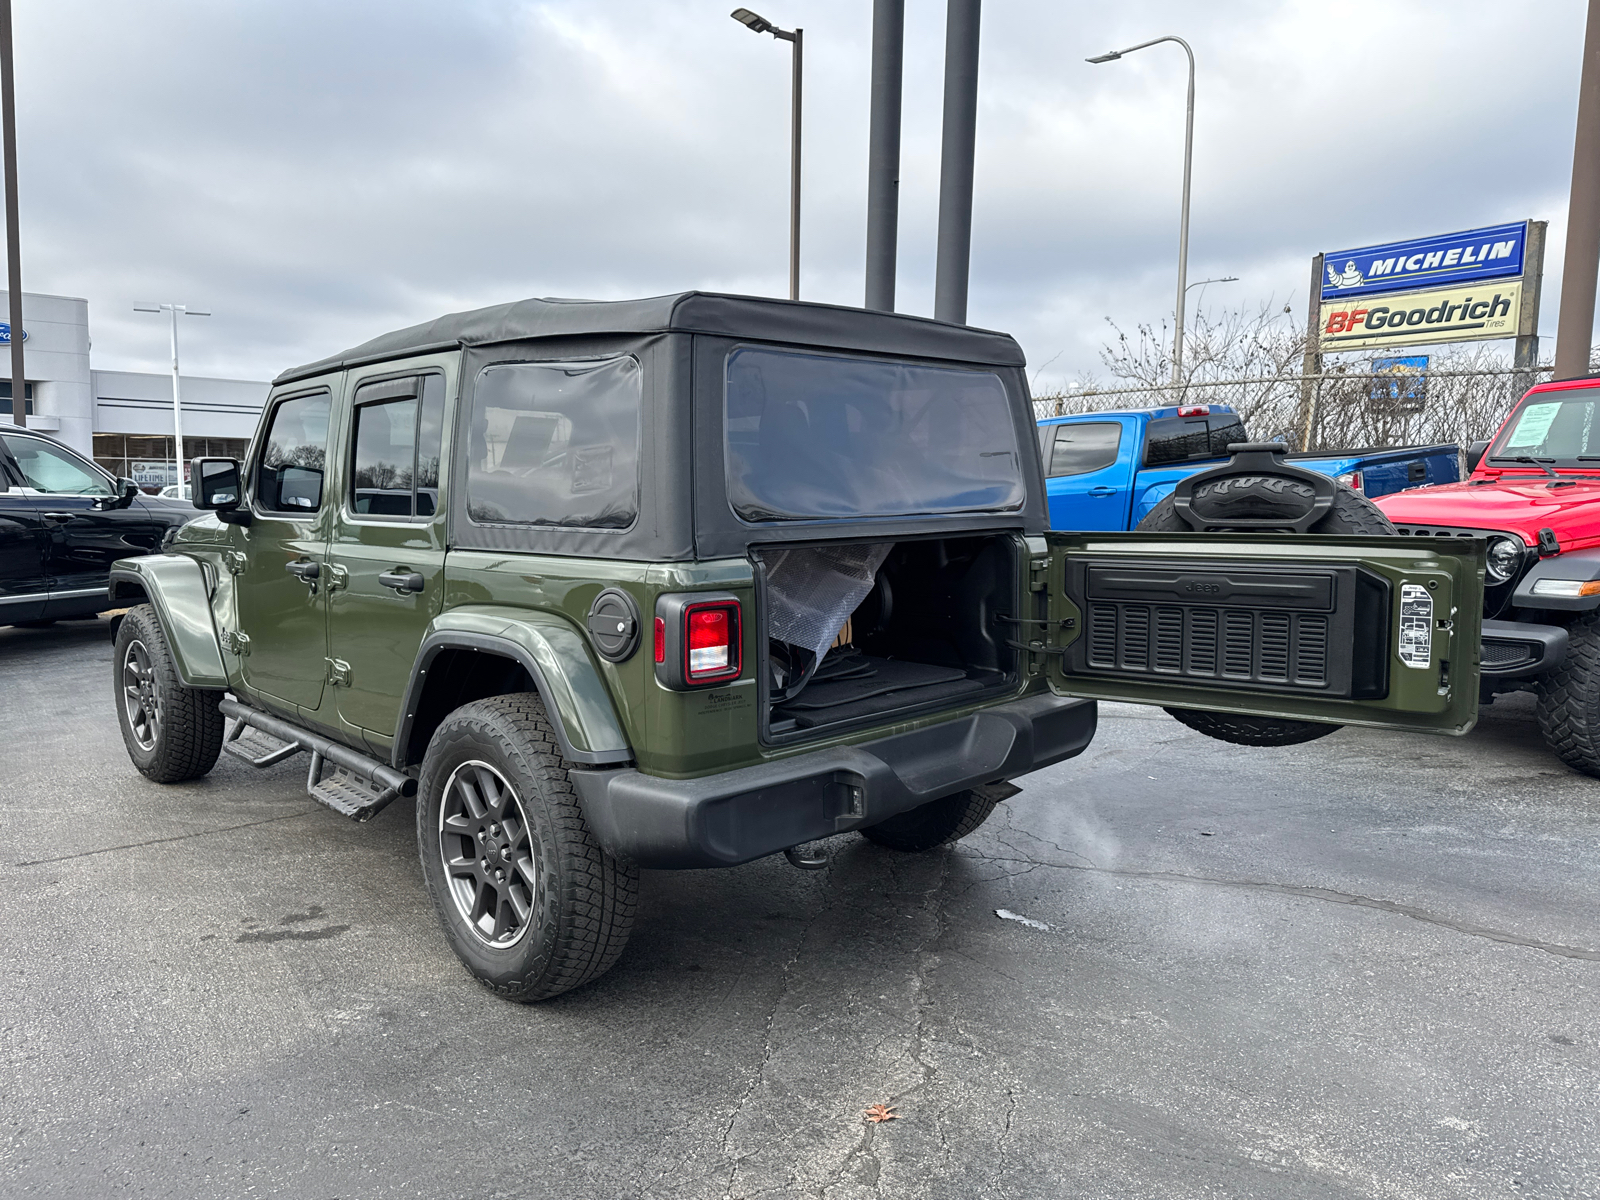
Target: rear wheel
(1569, 699)
(1263, 496)
(172, 732)
(530, 901)
(936, 823)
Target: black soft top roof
(791, 321)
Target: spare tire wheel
(1256, 497)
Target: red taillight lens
(1199, 411)
(661, 640)
(711, 642)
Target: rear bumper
(1519, 649)
(726, 819)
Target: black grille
(1506, 654)
(1254, 647)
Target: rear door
(1088, 467)
(388, 543)
(1349, 630)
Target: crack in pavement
(182, 837)
(1327, 895)
(766, 1044)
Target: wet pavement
(1362, 967)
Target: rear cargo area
(865, 633)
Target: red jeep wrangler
(1534, 494)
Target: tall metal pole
(177, 405)
(883, 151)
(956, 161)
(794, 172)
(1183, 224)
(1183, 220)
(1581, 261)
(8, 118)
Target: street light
(177, 399)
(759, 24)
(1188, 154)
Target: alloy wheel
(487, 852)
(141, 700)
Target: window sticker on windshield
(1533, 425)
(1416, 626)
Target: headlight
(1504, 556)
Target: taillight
(1350, 479)
(1198, 411)
(711, 642)
(697, 639)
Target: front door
(387, 549)
(282, 583)
(22, 543)
(1374, 631)
(1089, 468)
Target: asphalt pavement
(1362, 967)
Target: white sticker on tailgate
(1416, 625)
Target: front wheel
(1569, 699)
(173, 733)
(531, 903)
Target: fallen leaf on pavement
(879, 1113)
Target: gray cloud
(322, 172)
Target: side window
(1080, 449)
(55, 469)
(294, 456)
(555, 444)
(398, 431)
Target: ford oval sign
(5, 333)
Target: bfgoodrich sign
(1457, 314)
(1495, 252)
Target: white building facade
(122, 418)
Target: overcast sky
(321, 172)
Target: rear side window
(397, 433)
(294, 456)
(1180, 439)
(555, 444)
(1080, 449)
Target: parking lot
(1362, 967)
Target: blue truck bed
(1107, 470)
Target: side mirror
(215, 484)
(127, 492)
(1475, 455)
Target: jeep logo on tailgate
(1201, 586)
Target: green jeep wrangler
(687, 581)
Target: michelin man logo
(1351, 277)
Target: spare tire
(1263, 496)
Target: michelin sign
(1451, 288)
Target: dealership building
(122, 418)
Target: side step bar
(360, 788)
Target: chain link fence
(1337, 410)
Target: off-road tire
(187, 735)
(1569, 699)
(583, 904)
(936, 823)
(1351, 513)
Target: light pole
(177, 396)
(1188, 156)
(795, 38)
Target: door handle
(1102, 491)
(58, 516)
(402, 581)
(305, 571)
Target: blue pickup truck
(1106, 470)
